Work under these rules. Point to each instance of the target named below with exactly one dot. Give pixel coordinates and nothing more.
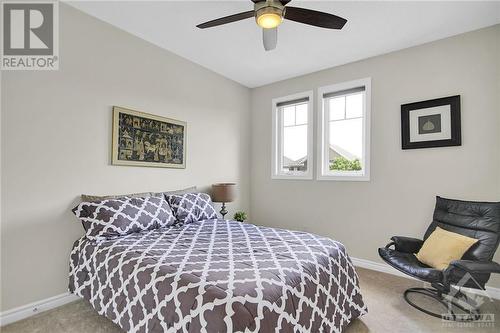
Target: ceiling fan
(270, 13)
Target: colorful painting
(142, 139)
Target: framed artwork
(142, 139)
(432, 123)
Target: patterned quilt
(218, 276)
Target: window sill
(292, 177)
(346, 178)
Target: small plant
(240, 216)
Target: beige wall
(399, 199)
(56, 137)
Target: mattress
(218, 276)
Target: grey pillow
(192, 207)
(111, 218)
(89, 197)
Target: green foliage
(343, 164)
(240, 216)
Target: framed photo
(142, 139)
(432, 123)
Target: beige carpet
(388, 312)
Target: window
(292, 137)
(344, 138)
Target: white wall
(399, 199)
(56, 139)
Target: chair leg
(471, 312)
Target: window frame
(277, 144)
(323, 168)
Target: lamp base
(223, 210)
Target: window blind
(292, 102)
(344, 92)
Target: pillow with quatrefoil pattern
(192, 207)
(111, 218)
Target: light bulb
(269, 20)
(269, 17)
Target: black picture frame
(456, 134)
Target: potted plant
(240, 216)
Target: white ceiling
(235, 50)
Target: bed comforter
(218, 276)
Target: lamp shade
(223, 192)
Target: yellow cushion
(442, 247)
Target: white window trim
(275, 172)
(322, 122)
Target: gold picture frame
(143, 139)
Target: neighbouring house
(301, 164)
(297, 165)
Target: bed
(218, 276)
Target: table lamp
(223, 192)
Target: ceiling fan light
(269, 17)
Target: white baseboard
(28, 310)
(384, 268)
(379, 267)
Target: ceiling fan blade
(227, 19)
(313, 17)
(270, 38)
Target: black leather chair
(480, 220)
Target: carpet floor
(388, 312)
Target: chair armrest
(476, 266)
(406, 244)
